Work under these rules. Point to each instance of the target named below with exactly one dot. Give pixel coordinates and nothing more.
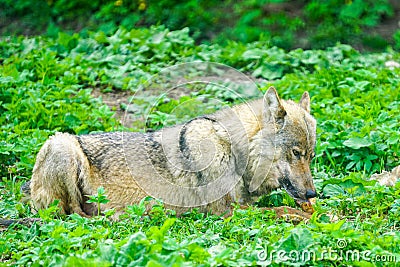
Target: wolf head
(287, 147)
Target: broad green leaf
(298, 239)
(331, 190)
(357, 142)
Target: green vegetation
(46, 85)
(287, 24)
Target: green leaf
(252, 54)
(101, 190)
(79, 262)
(330, 227)
(298, 239)
(357, 142)
(331, 190)
(153, 263)
(269, 71)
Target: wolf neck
(244, 120)
(249, 143)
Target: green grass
(46, 84)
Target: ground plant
(316, 24)
(60, 83)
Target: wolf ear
(305, 102)
(273, 109)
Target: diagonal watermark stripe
(201, 160)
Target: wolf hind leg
(56, 174)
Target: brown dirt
(115, 100)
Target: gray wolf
(232, 156)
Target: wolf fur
(210, 162)
(387, 178)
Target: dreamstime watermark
(337, 253)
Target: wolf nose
(310, 193)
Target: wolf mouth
(287, 185)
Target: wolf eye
(296, 153)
